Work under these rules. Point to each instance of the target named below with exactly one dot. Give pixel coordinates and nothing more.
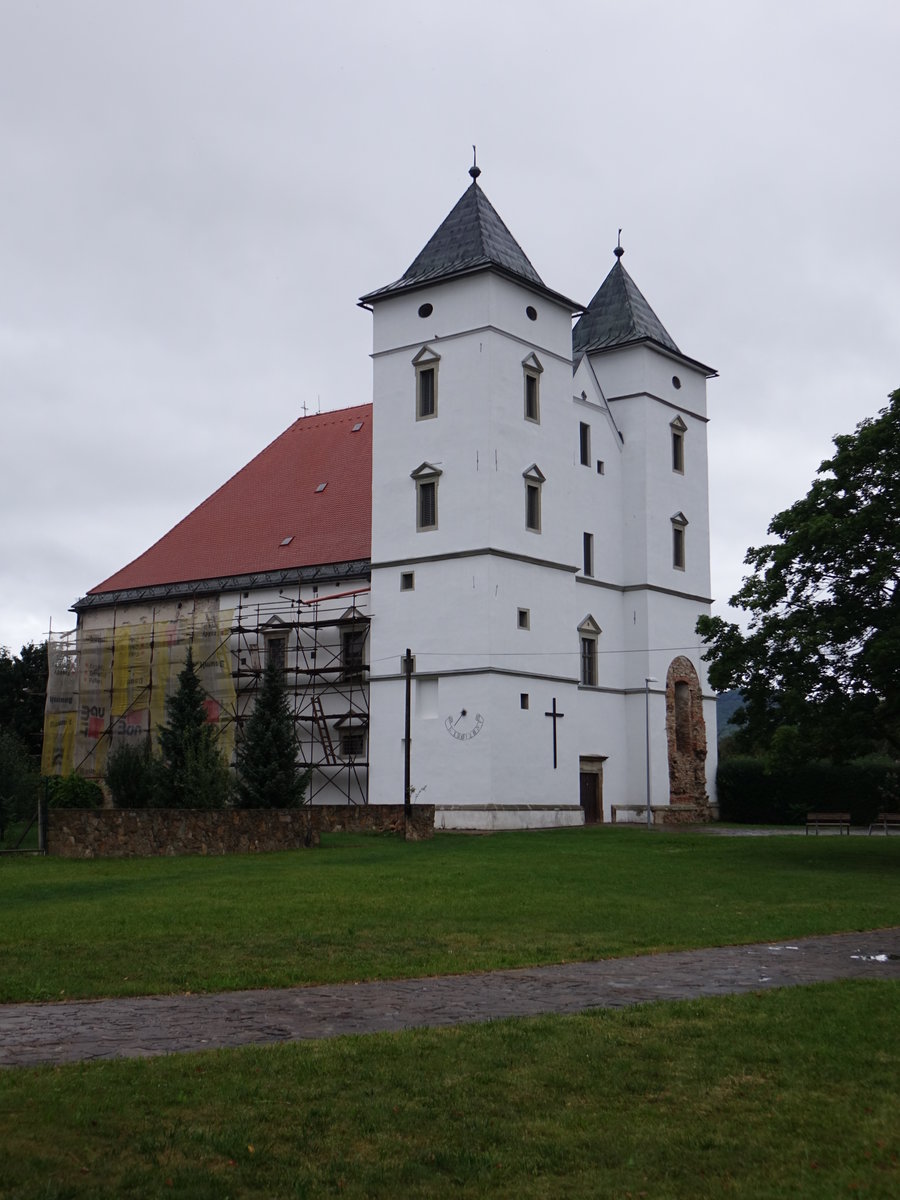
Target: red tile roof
(240, 528)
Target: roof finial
(474, 170)
(619, 251)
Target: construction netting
(109, 683)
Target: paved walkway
(150, 1025)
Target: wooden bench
(884, 820)
(828, 820)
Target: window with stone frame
(426, 478)
(534, 481)
(425, 364)
(353, 743)
(533, 370)
(589, 635)
(353, 644)
(276, 650)
(679, 552)
(678, 430)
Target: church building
(523, 506)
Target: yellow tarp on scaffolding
(109, 684)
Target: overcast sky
(194, 193)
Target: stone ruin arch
(686, 738)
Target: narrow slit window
(523, 618)
(584, 443)
(588, 552)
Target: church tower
(656, 396)
(473, 551)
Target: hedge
(751, 792)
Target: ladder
(322, 727)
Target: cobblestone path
(145, 1026)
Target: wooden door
(590, 797)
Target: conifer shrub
(268, 774)
(132, 775)
(192, 772)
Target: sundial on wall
(463, 725)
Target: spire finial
(619, 251)
(474, 170)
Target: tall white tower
(472, 550)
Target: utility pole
(407, 673)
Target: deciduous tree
(819, 665)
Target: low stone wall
(132, 833)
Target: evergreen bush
(192, 772)
(268, 775)
(132, 775)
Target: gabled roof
(471, 238)
(618, 315)
(270, 516)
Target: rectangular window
(588, 548)
(276, 651)
(523, 618)
(407, 581)
(533, 507)
(352, 644)
(589, 661)
(678, 547)
(678, 451)
(584, 441)
(600, 467)
(353, 744)
(427, 504)
(532, 398)
(523, 700)
(426, 393)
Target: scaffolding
(110, 679)
(321, 643)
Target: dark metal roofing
(618, 315)
(471, 238)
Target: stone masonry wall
(131, 833)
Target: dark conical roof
(618, 315)
(471, 238)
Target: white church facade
(523, 506)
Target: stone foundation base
(507, 816)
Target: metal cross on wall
(557, 716)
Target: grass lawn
(792, 1093)
(377, 907)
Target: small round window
(676, 382)
(425, 310)
(531, 312)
